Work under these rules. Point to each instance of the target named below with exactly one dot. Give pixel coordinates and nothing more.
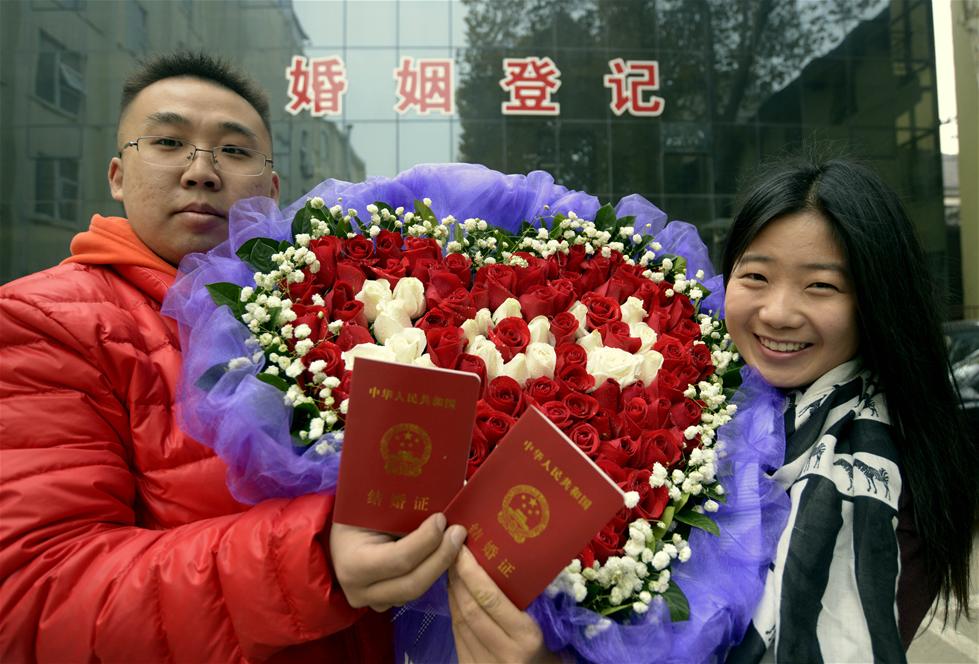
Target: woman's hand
(377, 570)
(486, 625)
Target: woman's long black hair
(900, 340)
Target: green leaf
(274, 381)
(605, 219)
(302, 223)
(227, 294)
(698, 520)
(258, 252)
(677, 602)
(211, 377)
(425, 212)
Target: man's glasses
(170, 152)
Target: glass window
(56, 189)
(58, 79)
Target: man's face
(176, 211)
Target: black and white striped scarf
(831, 590)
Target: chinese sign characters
(426, 86)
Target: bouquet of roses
(587, 315)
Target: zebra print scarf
(831, 590)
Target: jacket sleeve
(80, 580)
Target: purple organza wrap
(247, 423)
(723, 580)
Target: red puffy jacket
(119, 540)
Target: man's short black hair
(198, 65)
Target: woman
(828, 297)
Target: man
(120, 541)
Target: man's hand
(377, 570)
(486, 625)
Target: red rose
(421, 268)
(648, 292)
(534, 274)
(327, 250)
(391, 269)
(473, 364)
(317, 318)
(601, 310)
(586, 437)
(445, 345)
(663, 445)
(685, 413)
(461, 266)
(607, 395)
(504, 394)
(357, 249)
(538, 301)
(328, 352)
(615, 453)
(673, 352)
(570, 355)
(652, 501)
(388, 244)
(494, 284)
(542, 389)
(557, 413)
(608, 542)
(433, 318)
(594, 273)
(634, 415)
(441, 284)
(417, 248)
(352, 334)
(624, 282)
(563, 327)
(608, 466)
(587, 556)
(511, 336)
(667, 386)
(491, 423)
(702, 360)
(351, 275)
(582, 406)
(686, 330)
(669, 311)
(687, 374)
(605, 424)
(458, 307)
(617, 335)
(575, 378)
(479, 449)
(657, 412)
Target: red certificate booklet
(405, 445)
(534, 504)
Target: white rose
(645, 334)
(651, 362)
(541, 360)
(424, 361)
(540, 330)
(579, 311)
(632, 311)
(392, 317)
(478, 325)
(373, 293)
(517, 369)
(615, 363)
(368, 350)
(407, 345)
(484, 348)
(411, 292)
(591, 341)
(509, 309)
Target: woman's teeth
(781, 346)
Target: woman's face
(790, 306)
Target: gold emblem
(524, 513)
(405, 449)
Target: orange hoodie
(112, 241)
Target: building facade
(677, 100)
